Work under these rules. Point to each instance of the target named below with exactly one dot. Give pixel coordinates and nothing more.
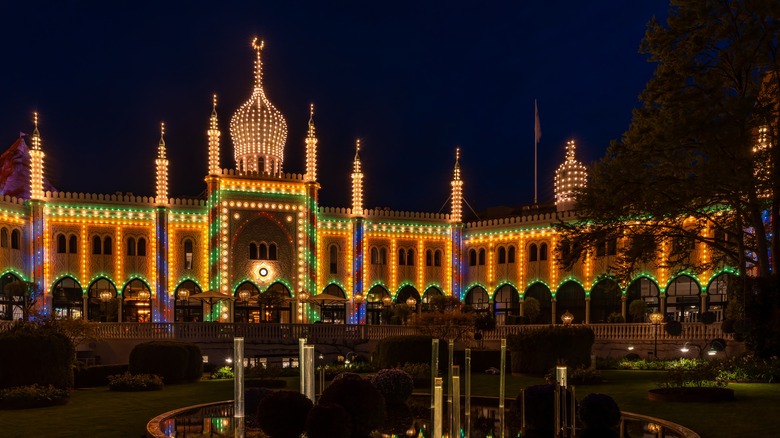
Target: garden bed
(697, 394)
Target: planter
(691, 395)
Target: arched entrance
(645, 290)
(506, 304)
(103, 301)
(185, 308)
(429, 294)
(136, 302)
(275, 303)
(478, 298)
(683, 300)
(67, 299)
(375, 302)
(718, 292)
(605, 299)
(246, 308)
(334, 312)
(12, 299)
(541, 293)
(570, 297)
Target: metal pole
(301, 371)
(455, 413)
(468, 392)
(309, 371)
(437, 410)
(501, 387)
(451, 353)
(238, 385)
(434, 368)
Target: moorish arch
(478, 298)
(334, 312)
(11, 301)
(103, 302)
(136, 301)
(430, 293)
(186, 308)
(542, 294)
(277, 303)
(606, 298)
(719, 290)
(506, 303)
(570, 297)
(246, 307)
(642, 289)
(262, 229)
(406, 292)
(683, 299)
(67, 299)
(377, 298)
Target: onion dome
(258, 129)
(570, 177)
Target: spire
(36, 163)
(457, 190)
(214, 135)
(357, 183)
(162, 169)
(258, 63)
(570, 177)
(311, 149)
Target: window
(410, 257)
(261, 165)
(263, 251)
(501, 255)
(401, 257)
(510, 256)
(532, 253)
(482, 257)
(96, 245)
(272, 251)
(107, 246)
(543, 251)
(383, 256)
(188, 254)
(428, 258)
(141, 247)
(437, 258)
(472, 257)
(334, 259)
(61, 244)
(4, 238)
(130, 246)
(73, 245)
(374, 256)
(15, 239)
(253, 251)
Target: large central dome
(258, 129)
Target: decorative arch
(11, 302)
(719, 289)
(375, 303)
(541, 292)
(103, 301)
(405, 292)
(646, 289)
(67, 298)
(606, 298)
(431, 291)
(334, 312)
(506, 303)
(478, 298)
(187, 309)
(136, 301)
(570, 297)
(683, 299)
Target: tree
(698, 164)
(27, 294)
(638, 310)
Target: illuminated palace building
(266, 251)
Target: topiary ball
(328, 420)
(347, 376)
(361, 400)
(282, 414)
(673, 328)
(395, 385)
(708, 317)
(599, 412)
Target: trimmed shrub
(36, 355)
(395, 385)
(328, 420)
(599, 412)
(97, 375)
(33, 396)
(615, 318)
(225, 372)
(134, 382)
(536, 351)
(282, 414)
(361, 400)
(393, 351)
(673, 328)
(168, 359)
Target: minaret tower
(214, 134)
(311, 149)
(457, 191)
(36, 163)
(162, 169)
(456, 232)
(570, 177)
(357, 183)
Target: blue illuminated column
(163, 304)
(358, 313)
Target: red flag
(537, 125)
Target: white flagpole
(536, 141)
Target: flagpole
(536, 142)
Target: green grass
(100, 413)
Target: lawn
(100, 413)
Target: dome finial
(258, 62)
(214, 106)
(161, 146)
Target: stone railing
(692, 331)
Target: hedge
(173, 361)
(395, 351)
(36, 356)
(537, 351)
(97, 375)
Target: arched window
(374, 256)
(428, 258)
(96, 245)
(482, 257)
(543, 251)
(472, 257)
(141, 247)
(510, 256)
(4, 238)
(15, 239)
(334, 259)
(383, 256)
(501, 255)
(401, 257)
(263, 251)
(73, 245)
(188, 253)
(437, 258)
(130, 246)
(532, 253)
(253, 251)
(272, 251)
(261, 165)
(107, 246)
(410, 257)
(61, 244)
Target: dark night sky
(412, 80)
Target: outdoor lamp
(567, 318)
(144, 295)
(303, 296)
(244, 295)
(105, 296)
(411, 302)
(184, 294)
(358, 298)
(387, 300)
(684, 348)
(656, 318)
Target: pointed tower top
(570, 149)
(457, 190)
(36, 135)
(161, 146)
(214, 106)
(311, 120)
(357, 156)
(258, 61)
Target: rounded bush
(347, 376)
(673, 328)
(328, 420)
(35, 355)
(253, 397)
(361, 400)
(282, 414)
(599, 412)
(395, 385)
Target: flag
(537, 125)
(22, 134)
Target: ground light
(684, 348)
